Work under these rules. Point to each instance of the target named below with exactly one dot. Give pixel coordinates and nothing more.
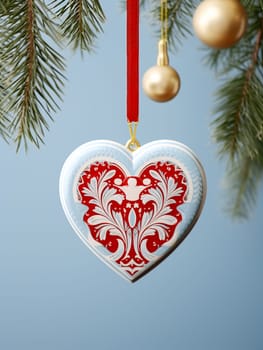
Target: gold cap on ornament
(161, 83)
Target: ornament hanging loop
(133, 144)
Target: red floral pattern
(132, 216)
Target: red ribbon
(132, 60)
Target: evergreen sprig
(81, 22)
(32, 70)
(33, 76)
(238, 126)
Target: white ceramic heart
(132, 209)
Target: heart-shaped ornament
(132, 209)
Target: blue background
(56, 295)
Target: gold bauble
(220, 23)
(161, 83)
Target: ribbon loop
(132, 72)
(132, 60)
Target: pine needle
(81, 22)
(34, 71)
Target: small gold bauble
(220, 23)
(161, 83)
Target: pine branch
(34, 78)
(240, 110)
(81, 21)
(238, 128)
(240, 138)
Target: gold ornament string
(164, 20)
